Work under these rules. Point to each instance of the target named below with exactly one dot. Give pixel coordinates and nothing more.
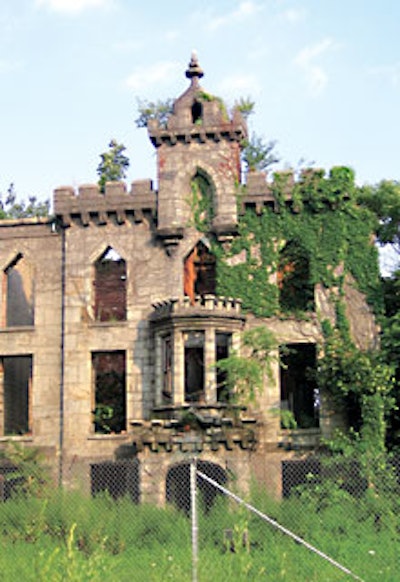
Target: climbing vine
(325, 226)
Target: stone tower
(199, 140)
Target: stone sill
(108, 437)
(18, 329)
(17, 438)
(108, 323)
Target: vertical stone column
(158, 364)
(178, 368)
(210, 384)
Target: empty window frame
(223, 342)
(18, 292)
(199, 272)
(299, 390)
(194, 366)
(109, 378)
(15, 394)
(110, 287)
(296, 292)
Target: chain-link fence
(333, 522)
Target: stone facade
(115, 357)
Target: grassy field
(68, 537)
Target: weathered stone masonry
(93, 373)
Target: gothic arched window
(110, 287)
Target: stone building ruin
(112, 323)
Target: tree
(258, 154)
(159, 110)
(384, 200)
(11, 208)
(113, 164)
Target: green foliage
(384, 200)
(246, 106)
(324, 223)
(113, 164)
(257, 154)
(201, 204)
(31, 477)
(12, 208)
(245, 373)
(158, 110)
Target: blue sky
(325, 76)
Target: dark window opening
(178, 484)
(19, 286)
(296, 292)
(167, 368)
(109, 392)
(194, 366)
(199, 272)
(118, 478)
(17, 379)
(110, 287)
(223, 343)
(299, 391)
(197, 112)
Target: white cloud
(71, 6)
(146, 76)
(245, 9)
(316, 76)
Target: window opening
(197, 112)
(299, 390)
(110, 287)
(295, 289)
(194, 366)
(199, 272)
(167, 368)
(18, 293)
(109, 370)
(16, 372)
(223, 342)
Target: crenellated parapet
(203, 306)
(285, 188)
(90, 204)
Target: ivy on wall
(322, 222)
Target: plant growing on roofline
(113, 165)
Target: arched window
(199, 271)
(296, 292)
(202, 201)
(18, 285)
(110, 287)
(197, 112)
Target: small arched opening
(178, 484)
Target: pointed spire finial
(194, 70)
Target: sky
(324, 76)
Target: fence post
(193, 508)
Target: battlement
(89, 203)
(261, 192)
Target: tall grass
(69, 537)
